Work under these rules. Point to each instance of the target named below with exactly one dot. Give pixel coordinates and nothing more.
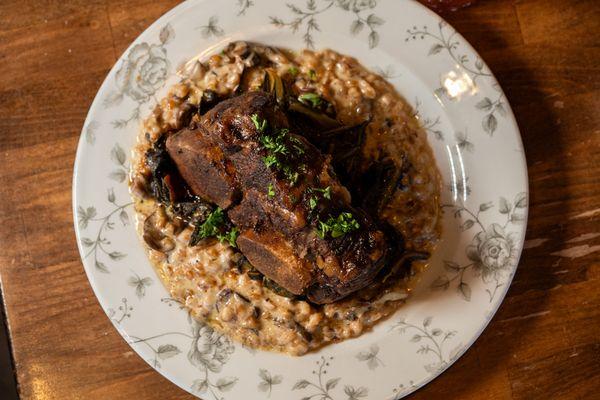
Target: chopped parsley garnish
(337, 227)
(271, 160)
(275, 144)
(312, 202)
(210, 227)
(271, 190)
(213, 226)
(293, 71)
(310, 99)
(280, 144)
(312, 74)
(326, 192)
(229, 237)
(290, 174)
(260, 125)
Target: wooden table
(544, 343)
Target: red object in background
(442, 6)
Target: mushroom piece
(154, 238)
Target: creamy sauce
(206, 278)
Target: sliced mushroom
(154, 238)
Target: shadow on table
(8, 385)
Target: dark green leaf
(229, 237)
(270, 190)
(293, 71)
(310, 99)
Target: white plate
(477, 147)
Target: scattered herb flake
(260, 125)
(291, 175)
(337, 227)
(293, 71)
(310, 99)
(271, 190)
(312, 202)
(312, 74)
(326, 191)
(271, 160)
(210, 227)
(229, 237)
(275, 144)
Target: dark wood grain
(542, 344)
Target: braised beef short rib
(277, 208)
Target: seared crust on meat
(222, 159)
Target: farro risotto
(287, 199)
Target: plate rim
(170, 14)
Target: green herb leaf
(271, 190)
(210, 227)
(310, 99)
(270, 160)
(275, 144)
(337, 227)
(312, 74)
(291, 175)
(293, 71)
(229, 237)
(312, 202)
(326, 192)
(260, 125)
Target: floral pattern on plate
(471, 135)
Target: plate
(477, 146)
